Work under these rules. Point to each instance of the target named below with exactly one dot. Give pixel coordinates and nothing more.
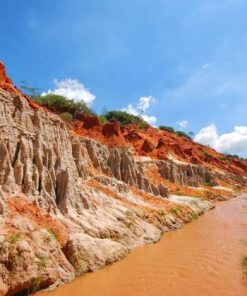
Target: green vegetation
(129, 218)
(79, 262)
(194, 216)
(233, 156)
(102, 119)
(183, 134)
(230, 157)
(52, 234)
(161, 212)
(207, 154)
(192, 135)
(244, 242)
(28, 90)
(13, 238)
(208, 194)
(209, 184)
(244, 261)
(61, 104)
(175, 210)
(167, 128)
(35, 285)
(170, 129)
(244, 266)
(42, 263)
(224, 158)
(125, 118)
(66, 116)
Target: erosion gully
(202, 258)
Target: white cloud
(72, 89)
(232, 142)
(182, 123)
(145, 103)
(205, 67)
(141, 108)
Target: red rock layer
(157, 144)
(150, 141)
(5, 82)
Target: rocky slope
(73, 200)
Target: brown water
(202, 258)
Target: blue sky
(190, 55)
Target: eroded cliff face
(70, 204)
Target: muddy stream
(202, 258)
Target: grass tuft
(244, 267)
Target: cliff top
(146, 141)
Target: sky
(180, 63)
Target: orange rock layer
(150, 141)
(5, 82)
(157, 144)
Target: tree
(167, 128)
(125, 118)
(28, 90)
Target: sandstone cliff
(70, 203)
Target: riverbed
(202, 258)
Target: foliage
(42, 262)
(208, 194)
(36, 282)
(208, 184)
(66, 116)
(175, 210)
(170, 129)
(167, 128)
(233, 156)
(183, 134)
(244, 266)
(28, 90)
(15, 237)
(125, 118)
(244, 241)
(52, 233)
(244, 261)
(102, 119)
(224, 158)
(192, 135)
(207, 154)
(61, 104)
(161, 212)
(194, 216)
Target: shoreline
(162, 237)
(141, 250)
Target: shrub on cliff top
(102, 119)
(66, 116)
(244, 266)
(183, 134)
(167, 128)
(61, 104)
(233, 156)
(125, 118)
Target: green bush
(66, 116)
(61, 104)
(208, 184)
(183, 134)
(102, 119)
(125, 118)
(207, 154)
(244, 266)
(167, 128)
(232, 156)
